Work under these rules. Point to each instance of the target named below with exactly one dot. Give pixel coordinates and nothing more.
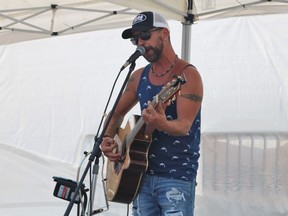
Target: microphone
(139, 52)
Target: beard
(156, 51)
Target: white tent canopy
(58, 17)
(26, 20)
(39, 19)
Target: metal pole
(186, 32)
(186, 41)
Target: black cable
(105, 109)
(127, 209)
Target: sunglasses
(143, 35)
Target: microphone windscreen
(141, 49)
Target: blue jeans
(160, 196)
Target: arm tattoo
(192, 97)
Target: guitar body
(123, 178)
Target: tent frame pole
(186, 32)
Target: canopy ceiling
(22, 20)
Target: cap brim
(129, 32)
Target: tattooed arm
(188, 104)
(189, 101)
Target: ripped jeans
(160, 196)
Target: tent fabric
(27, 20)
(53, 93)
(252, 39)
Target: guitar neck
(131, 136)
(140, 123)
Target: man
(168, 185)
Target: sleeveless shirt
(170, 156)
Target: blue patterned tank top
(170, 156)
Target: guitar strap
(186, 65)
(183, 66)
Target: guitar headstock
(170, 89)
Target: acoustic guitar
(124, 176)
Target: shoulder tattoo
(131, 80)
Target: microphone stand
(96, 152)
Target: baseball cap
(145, 21)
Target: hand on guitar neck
(154, 117)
